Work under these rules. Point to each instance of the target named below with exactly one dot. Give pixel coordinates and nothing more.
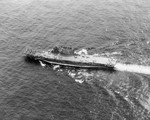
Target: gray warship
(70, 58)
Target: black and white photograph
(74, 59)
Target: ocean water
(114, 28)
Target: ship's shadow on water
(31, 60)
(104, 69)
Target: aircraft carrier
(81, 60)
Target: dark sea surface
(118, 28)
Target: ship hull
(74, 64)
(70, 61)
